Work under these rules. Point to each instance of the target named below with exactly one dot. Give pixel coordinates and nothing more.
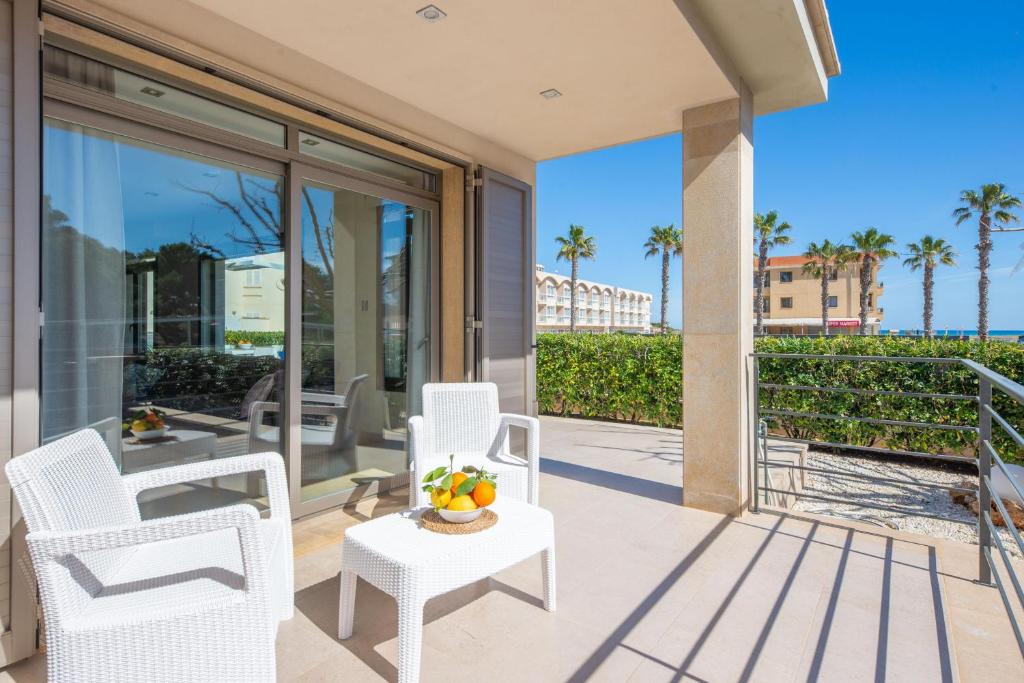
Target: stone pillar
(718, 325)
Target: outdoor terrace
(651, 591)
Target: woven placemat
(433, 521)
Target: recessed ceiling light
(311, 142)
(550, 94)
(152, 91)
(431, 13)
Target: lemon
(140, 426)
(440, 498)
(462, 503)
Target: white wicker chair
(464, 419)
(194, 597)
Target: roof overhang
(625, 71)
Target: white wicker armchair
(195, 597)
(464, 419)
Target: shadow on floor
(376, 617)
(624, 483)
(820, 639)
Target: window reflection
(151, 303)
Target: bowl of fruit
(460, 496)
(148, 424)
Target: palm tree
(822, 261)
(768, 234)
(874, 247)
(573, 247)
(990, 203)
(668, 241)
(928, 253)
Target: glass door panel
(163, 295)
(366, 346)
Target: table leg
(346, 603)
(410, 638)
(548, 560)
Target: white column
(718, 322)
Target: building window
(767, 304)
(253, 278)
(871, 300)
(833, 302)
(833, 273)
(786, 276)
(786, 302)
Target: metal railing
(988, 418)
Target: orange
(462, 504)
(457, 479)
(483, 493)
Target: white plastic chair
(185, 598)
(328, 448)
(464, 419)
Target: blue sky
(930, 101)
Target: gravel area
(906, 496)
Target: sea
(958, 333)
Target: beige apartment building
(792, 299)
(602, 308)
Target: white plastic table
(410, 563)
(186, 446)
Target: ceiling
(626, 70)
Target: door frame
(298, 173)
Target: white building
(600, 307)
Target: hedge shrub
(611, 376)
(256, 338)
(639, 379)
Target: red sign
(844, 323)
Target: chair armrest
(47, 546)
(532, 427)
(417, 450)
(271, 464)
(257, 408)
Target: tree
(574, 246)
(925, 254)
(768, 234)
(667, 241)
(873, 247)
(822, 261)
(993, 208)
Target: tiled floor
(652, 591)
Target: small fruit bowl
(459, 497)
(147, 424)
(460, 516)
(150, 434)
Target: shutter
(506, 287)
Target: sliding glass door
(201, 301)
(163, 296)
(366, 334)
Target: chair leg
(410, 638)
(346, 603)
(548, 560)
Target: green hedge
(639, 379)
(257, 338)
(611, 376)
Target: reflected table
(177, 447)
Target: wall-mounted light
(311, 142)
(152, 92)
(550, 94)
(431, 14)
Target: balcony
(683, 594)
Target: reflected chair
(326, 442)
(464, 419)
(191, 597)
